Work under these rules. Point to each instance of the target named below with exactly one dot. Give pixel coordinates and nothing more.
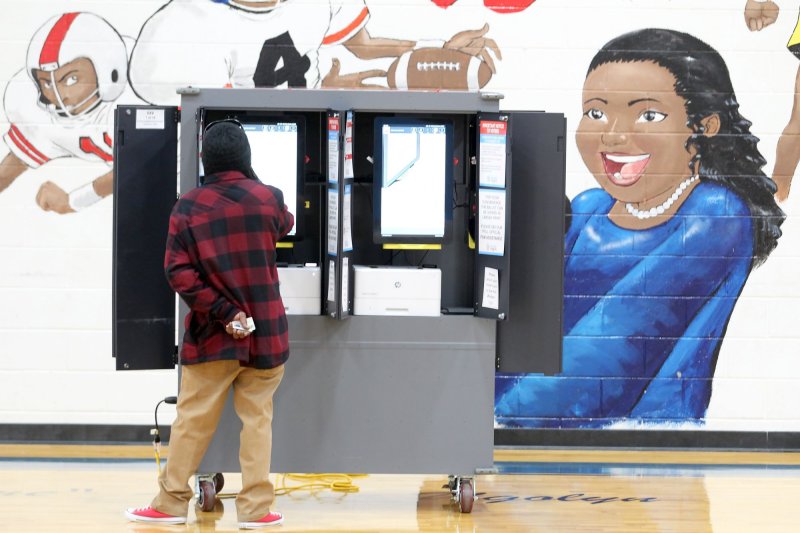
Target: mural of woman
(656, 258)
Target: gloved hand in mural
(757, 16)
(277, 44)
(655, 259)
(61, 106)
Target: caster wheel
(466, 496)
(207, 496)
(219, 482)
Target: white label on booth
(345, 283)
(492, 154)
(347, 236)
(491, 222)
(333, 220)
(149, 119)
(333, 150)
(332, 281)
(491, 288)
(348, 147)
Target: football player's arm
(51, 197)
(10, 169)
(472, 42)
(364, 46)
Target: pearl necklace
(659, 210)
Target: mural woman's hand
(474, 43)
(351, 81)
(51, 197)
(759, 15)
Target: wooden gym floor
(85, 489)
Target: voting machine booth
(427, 256)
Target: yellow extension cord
(157, 451)
(310, 482)
(317, 482)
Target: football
(438, 68)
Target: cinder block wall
(55, 273)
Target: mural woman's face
(633, 133)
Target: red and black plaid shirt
(220, 259)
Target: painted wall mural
(61, 105)
(278, 46)
(500, 6)
(681, 251)
(657, 257)
(759, 15)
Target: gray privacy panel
(378, 395)
(530, 340)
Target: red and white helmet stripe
(48, 57)
(70, 36)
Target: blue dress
(645, 312)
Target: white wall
(55, 271)
(55, 274)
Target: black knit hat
(225, 147)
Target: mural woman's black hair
(731, 157)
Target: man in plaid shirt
(220, 259)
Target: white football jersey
(207, 43)
(37, 136)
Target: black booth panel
(530, 341)
(145, 189)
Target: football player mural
(61, 105)
(275, 43)
(656, 258)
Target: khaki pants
(204, 389)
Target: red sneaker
(148, 514)
(269, 519)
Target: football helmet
(70, 36)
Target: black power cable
(172, 400)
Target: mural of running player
(275, 43)
(61, 105)
(757, 16)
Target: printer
(397, 291)
(301, 289)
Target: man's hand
(759, 15)
(351, 81)
(51, 197)
(474, 43)
(237, 334)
